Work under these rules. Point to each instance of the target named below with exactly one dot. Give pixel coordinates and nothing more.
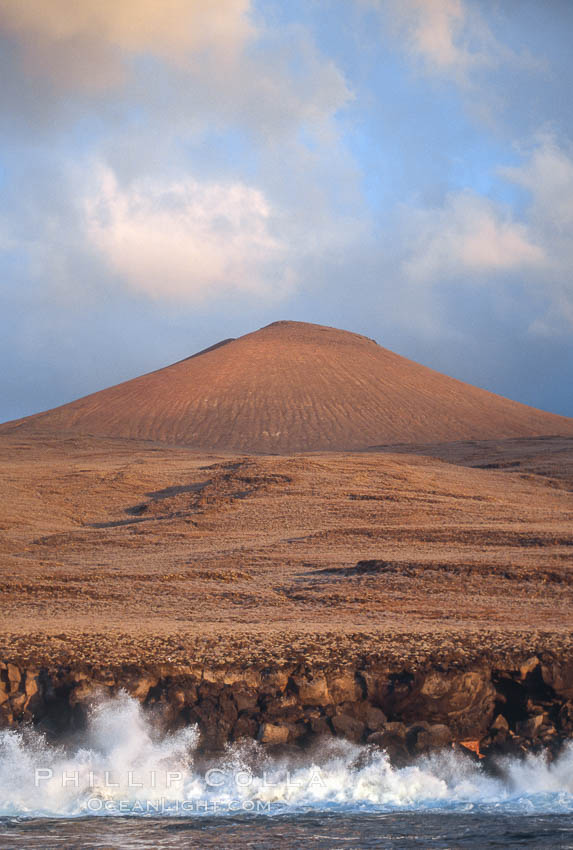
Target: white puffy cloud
(468, 236)
(222, 97)
(449, 37)
(200, 87)
(475, 240)
(452, 40)
(435, 31)
(163, 79)
(548, 176)
(86, 44)
(213, 65)
(188, 240)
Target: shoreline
(490, 710)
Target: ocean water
(123, 783)
(317, 831)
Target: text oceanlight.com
(175, 791)
(164, 806)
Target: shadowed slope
(293, 386)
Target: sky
(176, 173)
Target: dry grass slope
(293, 387)
(112, 550)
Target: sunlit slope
(292, 387)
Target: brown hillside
(293, 387)
(114, 550)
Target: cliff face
(406, 713)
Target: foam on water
(124, 765)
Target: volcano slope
(281, 595)
(293, 387)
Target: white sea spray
(123, 764)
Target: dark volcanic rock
(424, 737)
(407, 714)
(392, 739)
(464, 701)
(348, 727)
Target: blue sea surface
(314, 830)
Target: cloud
(150, 75)
(468, 236)
(449, 37)
(250, 108)
(452, 40)
(471, 239)
(86, 44)
(188, 240)
(276, 187)
(435, 31)
(547, 174)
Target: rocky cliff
(488, 710)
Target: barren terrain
(115, 551)
(293, 387)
